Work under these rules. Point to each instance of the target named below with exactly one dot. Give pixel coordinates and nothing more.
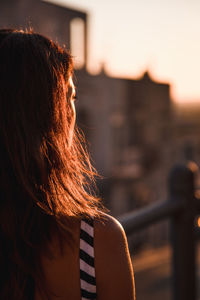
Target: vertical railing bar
(182, 207)
(181, 185)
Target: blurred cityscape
(135, 131)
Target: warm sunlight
(129, 37)
(198, 221)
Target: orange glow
(198, 222)
(197, 194)
(145, 39)
(192, 166)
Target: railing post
(181, 188)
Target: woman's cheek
(72, 123)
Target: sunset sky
(131, 36)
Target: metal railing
(181, 208)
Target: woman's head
(35, 76)
(45, 171)
(37, 118)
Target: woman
(55, 240)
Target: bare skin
(71, 94)
(114, 273)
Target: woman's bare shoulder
(107, 226)
(109, 234)
(114, 273)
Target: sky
(129, 37)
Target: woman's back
(62, 272)
(113, 269)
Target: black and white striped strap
(87, 268)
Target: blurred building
(129, 124)
(186, 133)
(44, 17)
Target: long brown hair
(43, 178)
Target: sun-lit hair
(44, 179)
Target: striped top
(87, 268)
